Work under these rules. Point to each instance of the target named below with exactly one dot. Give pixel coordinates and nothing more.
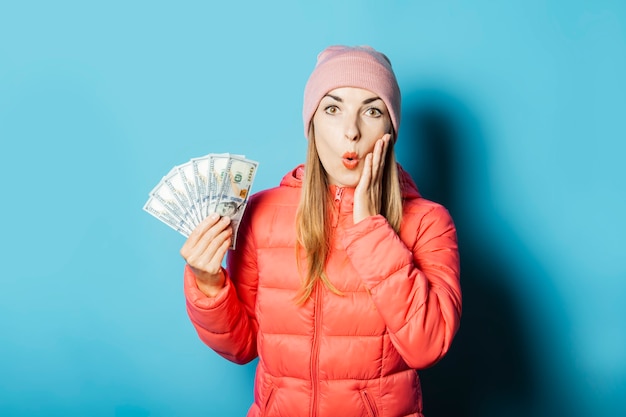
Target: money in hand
(214, 183)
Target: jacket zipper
(369, 404)
(268, 401)
(338, 195)
(317, 294)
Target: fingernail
(214, 216)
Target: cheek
(327, 126)
(325, 140)
(325, 154)
(378, 127)
(323, 150)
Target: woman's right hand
(204, 252)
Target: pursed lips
(350, 160)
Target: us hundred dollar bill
(214, 183)
(235, 190)
(219, 164)
(158, 210)
(178, 188)
(171, 202)
(201, 176)
(185, 171)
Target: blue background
(513, 118)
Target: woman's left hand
(368, 192)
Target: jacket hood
(409, 189)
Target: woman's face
(347, 123)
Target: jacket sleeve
(226, 323)
(416, 290)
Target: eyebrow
(366, 101)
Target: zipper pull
(338, 194)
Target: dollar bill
(178, 189)
(161, 212)
(214, 183)
(168, 199)
(201, 176)
(186, 174)
(235, 190)
(219, 165)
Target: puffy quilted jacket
(354, 354)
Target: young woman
(345, 281)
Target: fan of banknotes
(214, 183)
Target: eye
(373, 112)
(332, 109)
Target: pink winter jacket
(354, 354)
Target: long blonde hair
(313, 226)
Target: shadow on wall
(490, 368)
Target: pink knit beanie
(346, 66)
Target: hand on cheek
(368, 192)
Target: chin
(342, 177)
(349, 181)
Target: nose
(352, 131)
